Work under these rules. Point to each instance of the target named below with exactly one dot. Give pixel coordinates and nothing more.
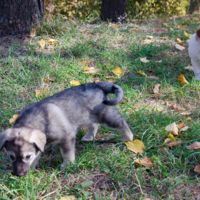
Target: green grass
(109, 168)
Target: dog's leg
(35, 162)
(196, 68)
(67, 149)
(92, 130)
(113, 120)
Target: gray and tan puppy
(56, 119)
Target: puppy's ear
(38, 138)
(198, 33)
(5, 136)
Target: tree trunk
(17, 16)
(113, 10)
(191, 9)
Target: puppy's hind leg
(113, 120)
(92, 130)
(67, 148)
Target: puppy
(194, 52)
(56, 119)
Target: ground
(108, 170)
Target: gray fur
(56, 119)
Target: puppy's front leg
(67, 149)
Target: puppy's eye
(12, 157)
(28, 157)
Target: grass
(107, 171)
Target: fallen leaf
(196, 18)
(178, 46)
(189, 67)
(111, 81)
(70, 197)
(136, 146)
(173, 106)
(174, 144)
(49, 79)
(153, 77)
(50, 8)
(164, 38)
(144, 162)
(147, 199)
(91, 71)
(83, 62)
(141, 73)
(40, 92)
(156, 88)
(52, 41)
(133, 29)
(182, 80)
(185, 128)
(172, 128)
(189, 119)
(42, 43)
(181, 125)
(147, 41)
(158, 61)
(113, 26)
(13, 119)
(187, 34)
(33, 32)
(179, 40)
(144, 60)
(165, 24)
(167, 140)
(97, 81)
(194, 146)
(185, 113)
(117, 71)
(171, 137)
(75, 83)
(149, 37)
(197, 169)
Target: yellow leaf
(184, 26)
(165, 24)
(189, 119)
(50, 8)
(147, 41)
(91, 71)
(172, 128)
(179, 40)
(97, 81)
(141, 73)
(144, 162)
(83, 62)
(117, 71)
(41, 43)
(133, 29)
(33, 32)
(13, 119)
(144, 60)
(88, 68)
(39, 92)
(171, 136)
(113, 26)
(75, 83)
(136, 146)
(196, 18)
(178, 46)
(182, 79)
(109, 77)
(70, 197)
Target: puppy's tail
(108, 87)
(198, 33)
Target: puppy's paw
(87, 138)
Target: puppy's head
(23, 146)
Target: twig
(139, 183)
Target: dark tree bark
(17, 16)
(113, 10)
(191, 9)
